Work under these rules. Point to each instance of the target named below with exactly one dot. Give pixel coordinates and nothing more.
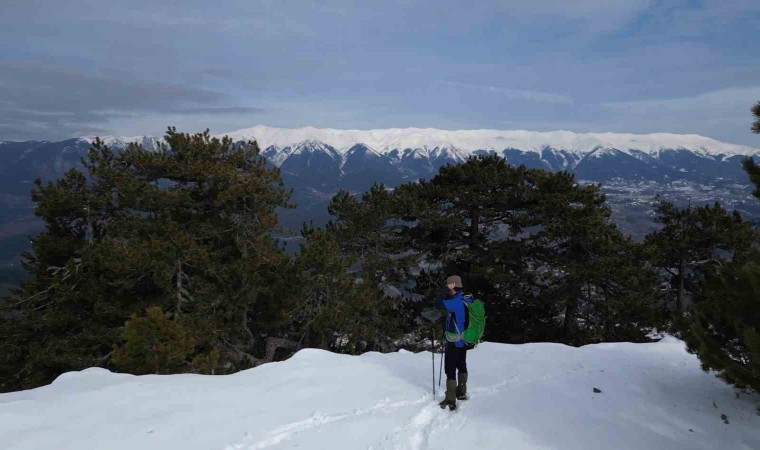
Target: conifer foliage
(176, 243)
(750, 165)
(723, 327)
(156, 344)
(165, 261)
(538, 248)
(692, 243)
(334, 309)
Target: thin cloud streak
(729, 100)
(515, 94)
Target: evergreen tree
(724, 327)
(186, 228)
(750, 166)
(600, 287)
(536, 246)
(154, 344)
(370, 231)
(473, 219)
(693, 242)
(753, 170)
(334, 309)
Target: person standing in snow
(456, 349)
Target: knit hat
(454, 279)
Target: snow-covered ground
(533, 396)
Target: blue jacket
(455, 319)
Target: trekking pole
(440, 369)
(432, 353)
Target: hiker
(456, 348)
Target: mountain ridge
(385, 141)
(316, 169)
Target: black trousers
(455, 359)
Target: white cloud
(722, 114)
(734, 101)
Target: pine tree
(750, 166)
(187, 228)
(154, 344)
(472, 219)
(724, 327)
(601, 288)
(753, 170)
(538, 248)
(371, 231)
(692, 242)
(335, 309)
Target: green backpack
(473, 334)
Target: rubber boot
(462, 386)
(451, 395)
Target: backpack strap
(466, 300)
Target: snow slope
(386, 140)
(148, 142)
(532, 396)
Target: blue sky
(69, 68)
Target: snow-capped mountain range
(354, 159)
(121, 142)
(318, 162)
(465, 142)
(565, 148)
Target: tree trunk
(272, 345)
(679, 293)
(246, 330)
(178, 287)
(474, 229)
(571, 311)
